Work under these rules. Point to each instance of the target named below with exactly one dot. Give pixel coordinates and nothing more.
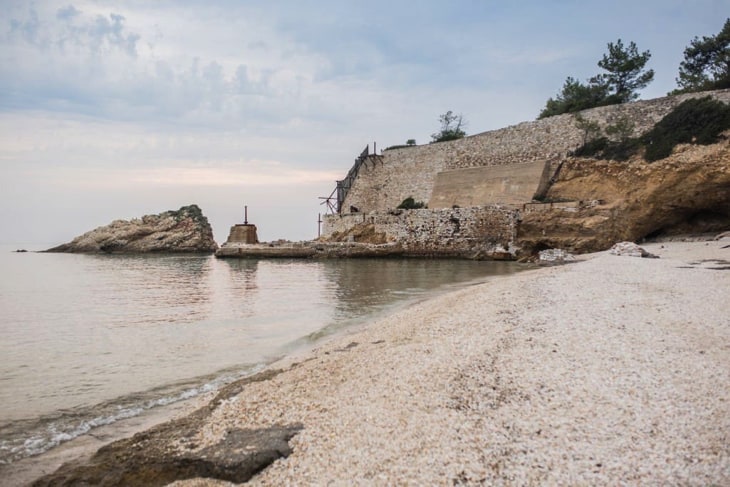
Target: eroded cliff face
(686, 193)
(184, 230)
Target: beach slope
(614, 370)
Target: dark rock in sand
(167, 453)
(184, 230)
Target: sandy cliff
(686, 193)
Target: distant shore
(611, 370)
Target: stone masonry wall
(450, 230)
(386, 181)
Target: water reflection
(236, 287)
(120, 278)
(242, 274)
(80, 329)
(362, 287)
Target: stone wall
(457, 231)
(479, 226)
(384, 182)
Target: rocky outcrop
(630, 249)
(166, 453)
(684, 194)
(184, 230)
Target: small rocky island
(183, 230)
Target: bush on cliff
(614, 142)
(452, 127)
(411, 204)
(696, 121)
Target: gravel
(610, 371)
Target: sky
(116, 109)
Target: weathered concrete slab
(514, 184)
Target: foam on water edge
(50, 432)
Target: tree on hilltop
(706, 64)
(574, 97)
(452, 127)
(626, 73)
(624, 77)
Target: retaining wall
(457, 231)
(411, 171)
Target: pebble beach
(613, 370)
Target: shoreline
(25, 470)
(610, 370)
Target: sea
(90, 340)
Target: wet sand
(613, 370)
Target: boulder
(554, 256)
(630, 249)
(184, 230)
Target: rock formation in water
(184, 230)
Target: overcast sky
(116, 109)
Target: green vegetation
(696, 121)
(411, 204)
(625, 72)
(452, 127)
(624, 76)
(706, 64)
(574, 97)
(191, 211)
(613, 142)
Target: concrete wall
(477, 186)
(412, 171)
(243, 233)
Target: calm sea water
(87, 340)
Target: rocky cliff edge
(183, 230)
(686, 194)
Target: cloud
(71, 26)
(68, 12)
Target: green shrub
(617, 144)
(411, 204)
(695, 121)
(592, 148)
(698, 121)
